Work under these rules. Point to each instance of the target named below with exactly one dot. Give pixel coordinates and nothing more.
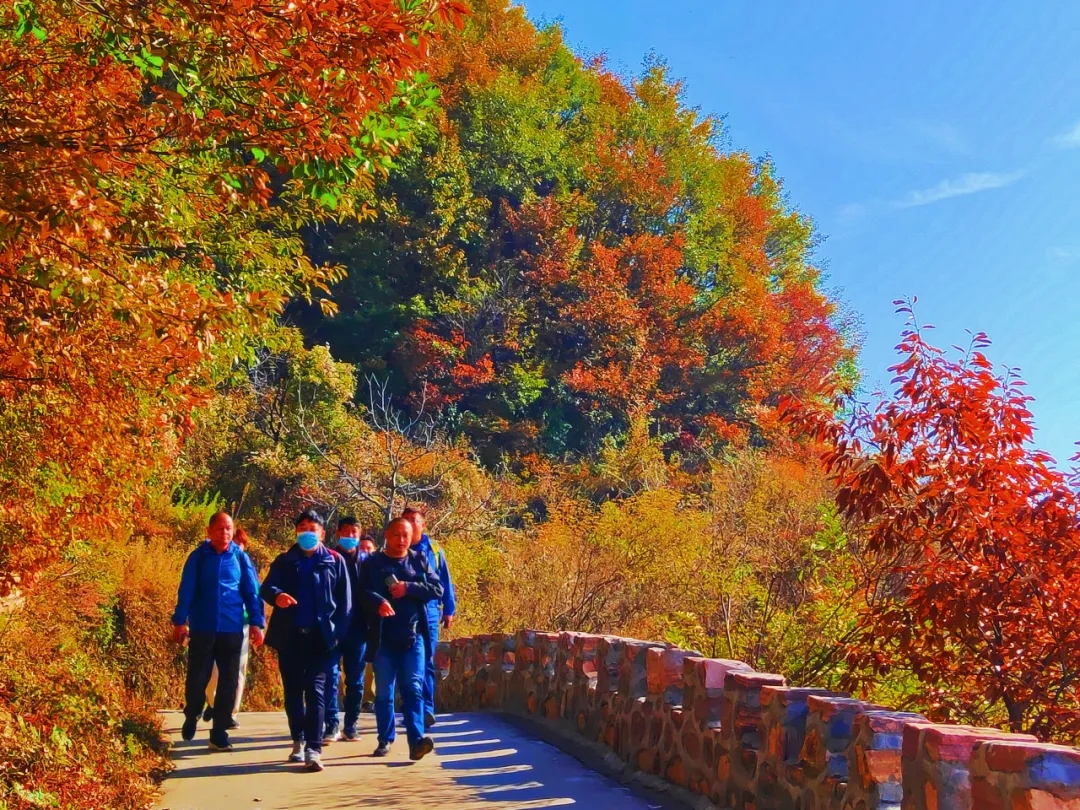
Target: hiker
(355, 549)
(439, 611)
(396, 584)
(217, 597)
(240, 538)
(308, 585)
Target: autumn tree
(980, 605)
(565, 247)
(155, 161)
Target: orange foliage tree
(141, 144)
(982, 602)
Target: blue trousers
(351, 660)
(404, 669)
(304, 665)
(429, 667)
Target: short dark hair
(369, 538)
(415, 509)
(312, 515)
(396, 521)
(214, 518)
(345, 522)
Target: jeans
(404, 669)
(429, 667)
(351, 662)
(241, 680)
(304, 665)
(204, 651)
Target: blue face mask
(362, 555)
(348, 543)
(307, 540)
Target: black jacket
(333, 598)
(409, 621)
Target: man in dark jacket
(218, 584)
(439, 611)
(308, 586)
(355, 549)
(396, 584)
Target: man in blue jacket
(217, 585)
(308, 586)
(355, 549)
(439, 611)
(396, 584)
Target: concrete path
(479, 762)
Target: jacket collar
(424, 544)
(322, 555)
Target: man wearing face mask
(396, 583)
(308, 586)
(218, 586)
(355, 549)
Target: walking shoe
(233, 723)
(331, 736)
(367, 707)
(351, 735)
(189, 727)
(208, 714)
(314, 760)
(382, 750)
(225, 746)
(421, 749)
(429, 720)
(297, 754)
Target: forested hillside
(423, 253)
(567, 248)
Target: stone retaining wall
(745, 739)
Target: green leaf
(258, 154)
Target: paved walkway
(479, 762)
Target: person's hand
(179, 633)
(385, 610)
(256, 635)
(447, 622)
(397, 590)
(284, 600)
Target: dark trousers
(305, 665)
(350, 660)
(205, 650)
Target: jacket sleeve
(449, 601)
(186, 592)
(342, 599)
(271, 586)
(429, 587)
(369, 596)
(249, 590)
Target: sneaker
(382, 751)
(313, 760)
(352, 735)
(367, 707)
(429, 720)
(421, 749)
(225, 746)
(208, 714)
(331, 736)
(189, 727)
(297, 754)
(233, 723)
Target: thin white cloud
(1070, 139)
(1063, 255)
(971, 183)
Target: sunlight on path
(480, 762)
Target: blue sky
(936, 145)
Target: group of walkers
(340, 612)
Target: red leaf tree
(982, 600)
